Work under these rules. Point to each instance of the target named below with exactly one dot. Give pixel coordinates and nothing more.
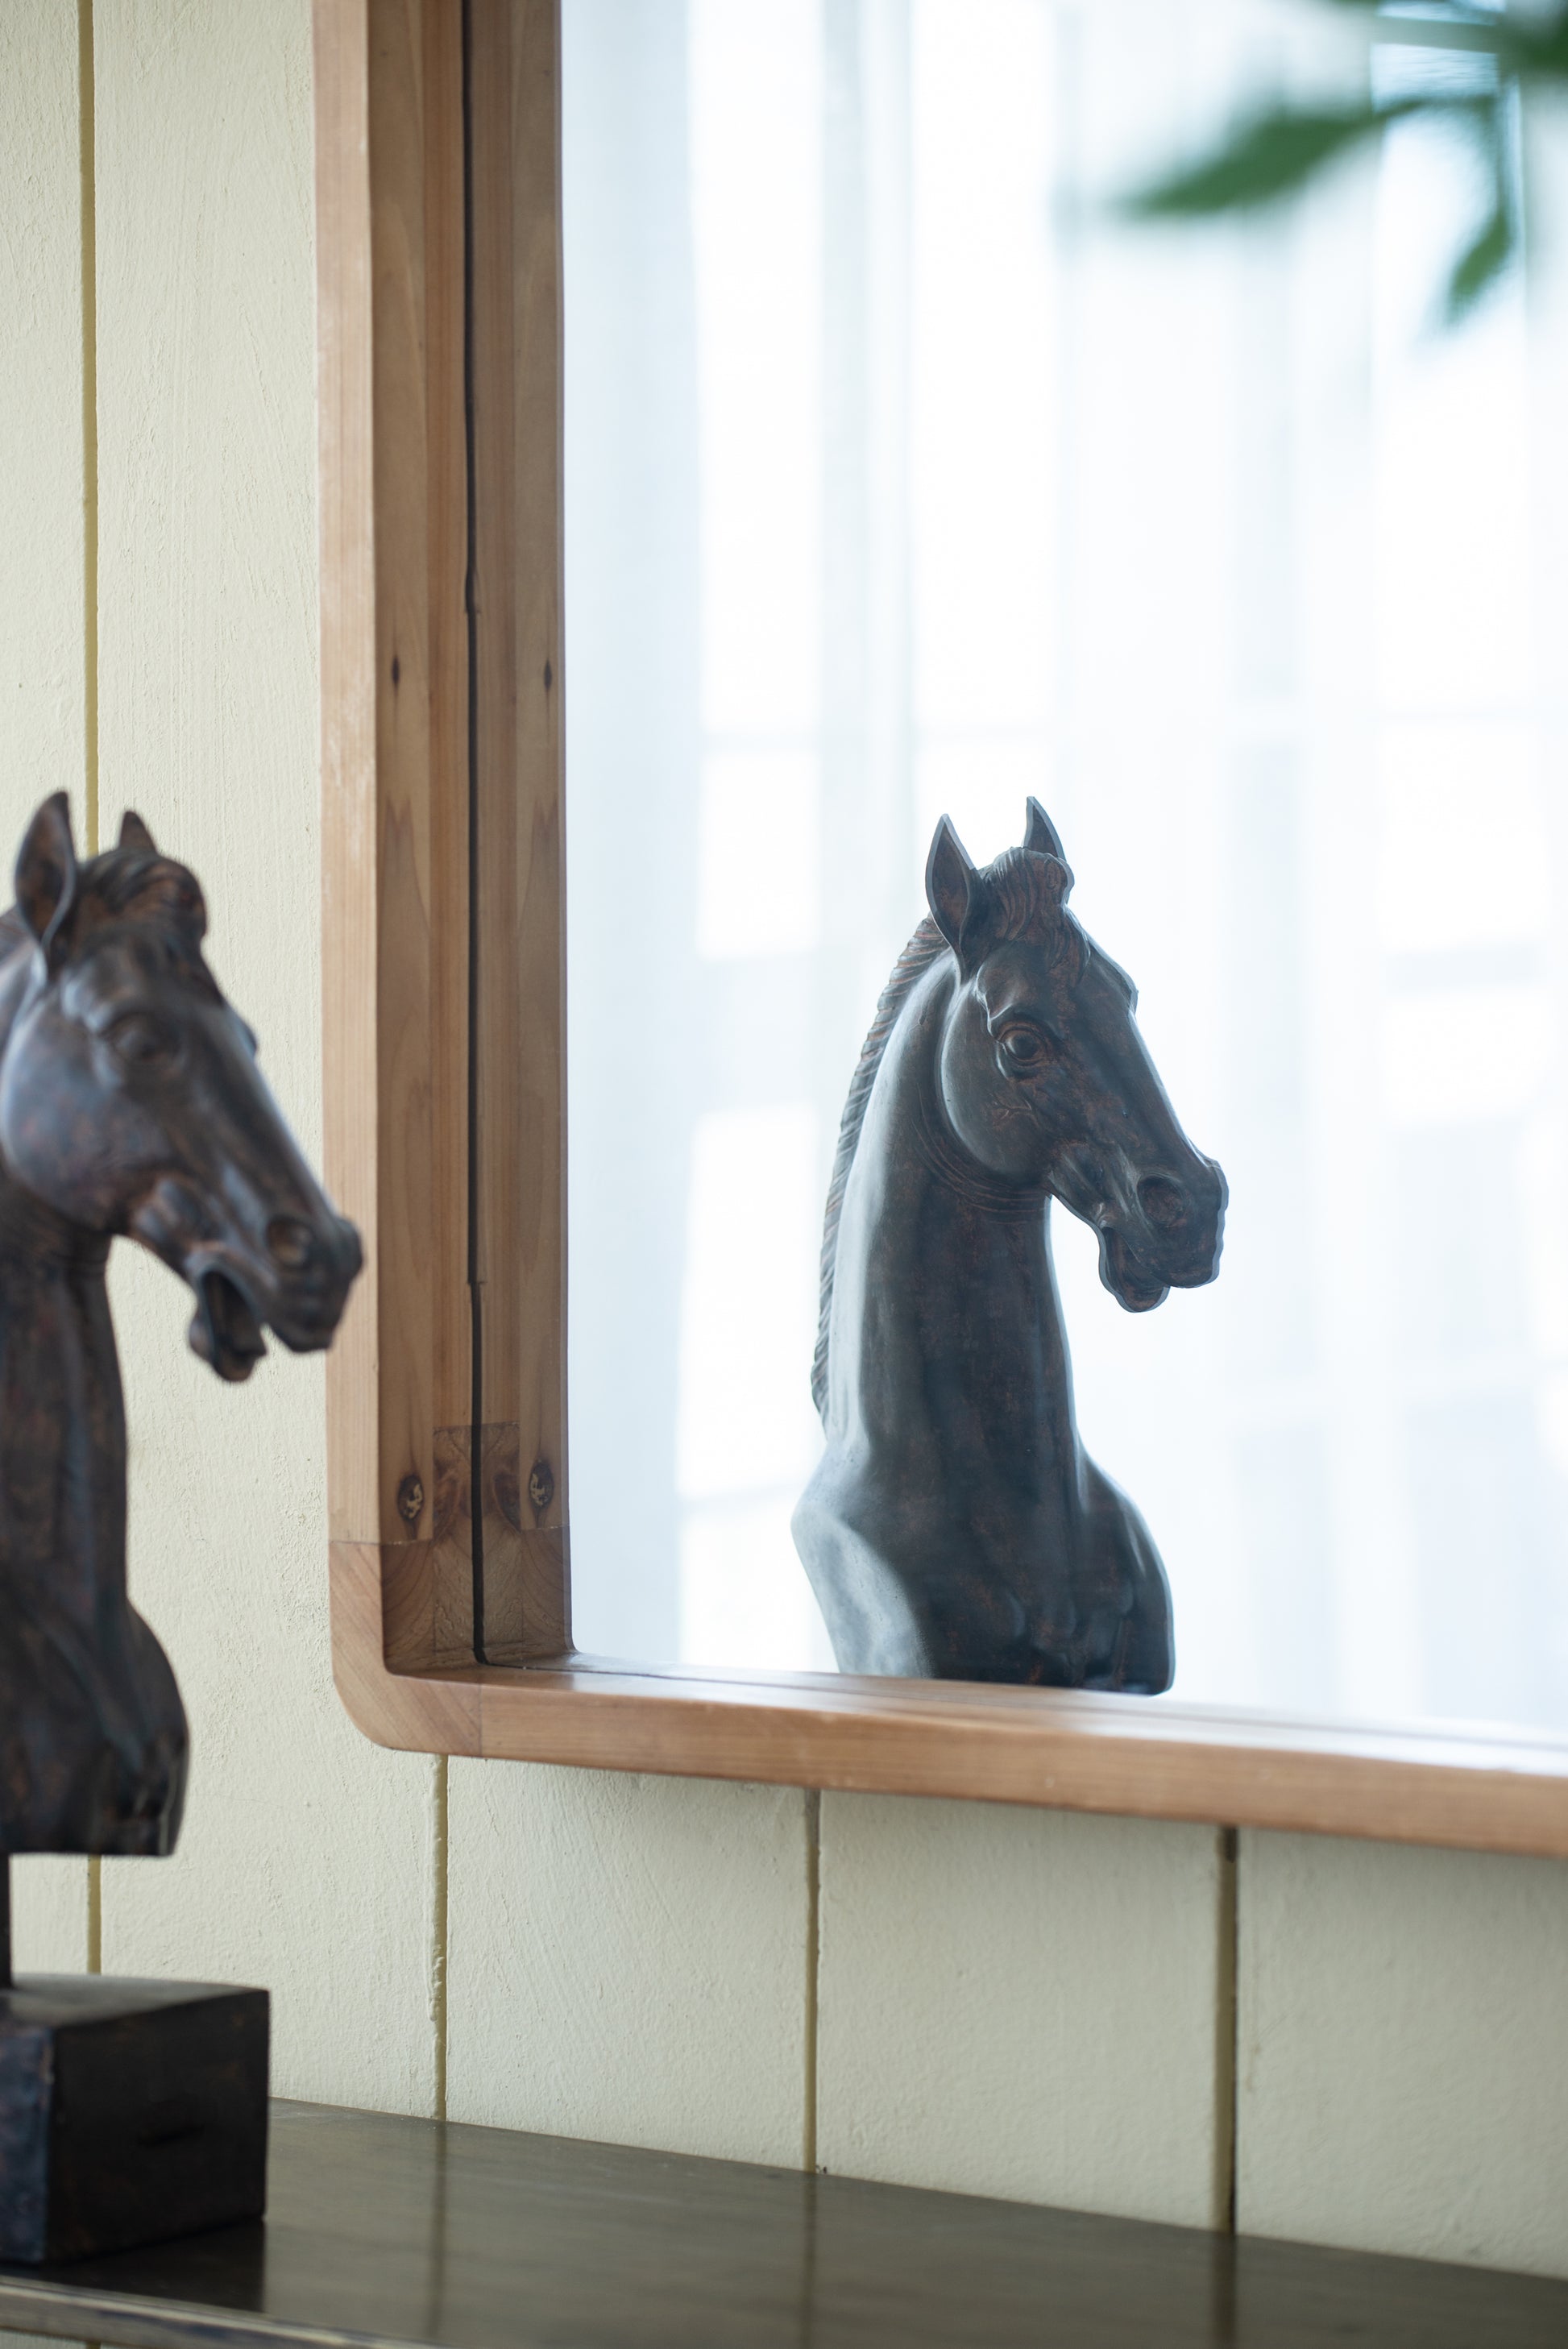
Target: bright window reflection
(900, 481)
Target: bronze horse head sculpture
(131, 1103)
(954, 1527)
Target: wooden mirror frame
(440, 335)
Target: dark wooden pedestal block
(129, 2111)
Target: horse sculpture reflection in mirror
(130, 1103)
(955, 1527)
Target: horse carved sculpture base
(955, 1529)
(130, 1104)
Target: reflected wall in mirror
(900, 480)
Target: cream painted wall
(1404, 2050)
(957, 1995)
(308, 1857)
(42, 599)
(629, 1958)
(1024, 2003)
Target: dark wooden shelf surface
(384, 2231)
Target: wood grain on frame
(389, 190)
(519, 879)
(439, 296)
(412, 484)
(1465, 1788)
(537, 1045)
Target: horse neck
(62, 1414)
(942, 1268)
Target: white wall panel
(48, 1914)
(1022, 2003)
(308, 1856)
(42, 606)
(41, 585)
(627, 1959)
(1403, 2082)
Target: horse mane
(137, 884)
(912, 964)
(1017, 896)
(130, 885)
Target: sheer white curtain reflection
(899, 481)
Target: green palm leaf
(1268, 159)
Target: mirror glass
(902, 480)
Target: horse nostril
(290, 1243)
(1163, 1202)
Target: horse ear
(46, 871)
(1041, 835)
(133, 833)
(952, 885)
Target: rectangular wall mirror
(774, 387)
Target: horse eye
(141, 1039)
(1025, 1047)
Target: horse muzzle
(298, 1289)
(293, 1277)
(1170, 1236)
(310, 1267)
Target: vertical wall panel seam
(439, 1936)
(86, 118)
(88, 144)
(813, 1976)
(1227, 2035)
